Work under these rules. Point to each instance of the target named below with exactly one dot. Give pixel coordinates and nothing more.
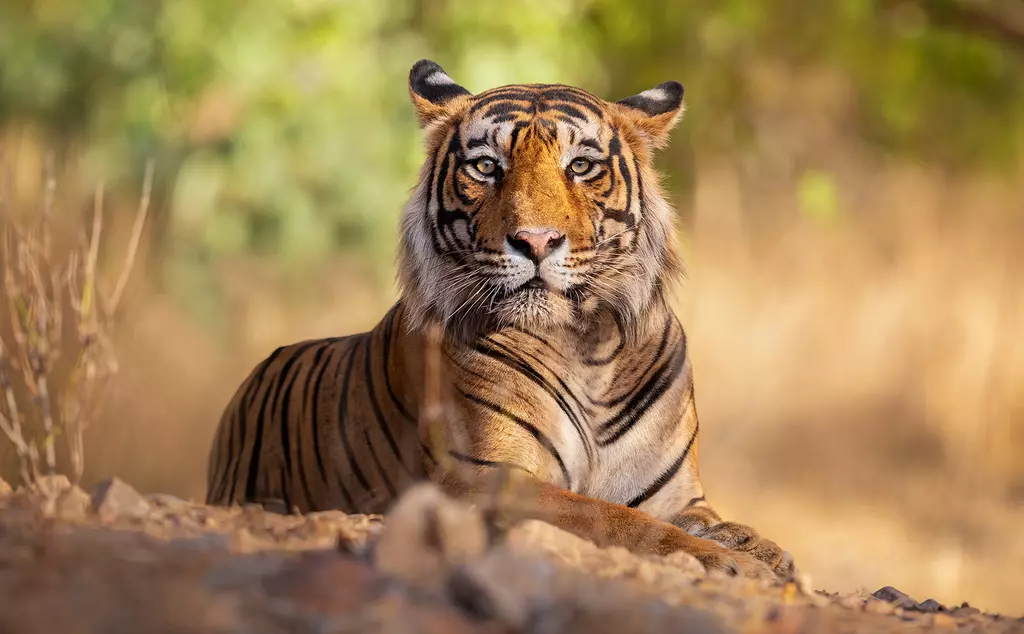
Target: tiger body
(533, 336)
(333, 423)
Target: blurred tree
(283, 130)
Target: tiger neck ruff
(532, 339)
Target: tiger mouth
(535, 283)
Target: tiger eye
(580, 166)
(485, 166)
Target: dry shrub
(56, 351)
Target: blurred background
(849, 185)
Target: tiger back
(532, 337)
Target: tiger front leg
(700, 520)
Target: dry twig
(37, 289)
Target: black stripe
(693, 501)
(392, 493)
(561, 94)
(241, 412)
(514, 137)
(543, 440)
(375, 406)
(343, 423)
(645, 397)
(286, 380)
(502, 353)
(502, 94)
(426, 208)
(667, 476)
(509, 110)
(256, 450)
(666, 331)
(572, 112)
(389, 332)
(639, 198)
(446, 218)
(592, 362)
(429, 455)
(310, 400)
(480, 462)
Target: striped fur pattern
(533, 337)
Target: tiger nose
(536, 244)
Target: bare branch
(133, 244)
(89, 288)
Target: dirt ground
(116, 561)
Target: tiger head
(537, 207)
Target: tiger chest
(629, 439)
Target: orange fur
(533, 338)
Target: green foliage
(283, 129)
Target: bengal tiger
(532, 336)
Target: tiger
(532, 337)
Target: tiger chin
(532, 344)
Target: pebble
(890, 594)
(852, 602)
(167, 501)
(930, 605)
(114, 498)
(52, 485)
(73, 502)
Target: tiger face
(537, 206)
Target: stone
(73, 502)
(426, 533)
(51, 486)
(115, 498)
(965, 610)
(326, 582)
(167, 501)
(890, 594)
(930, 605)
(852, 602)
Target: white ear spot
(439, 79)
(664, 97)
(655, 94)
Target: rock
(965, 610)
(167, 501)
(890, 594)
(72, 503)
(51, 486)
(114, 498)
(326, 582)
(852, 602)
(336, 585)
(426, 533)
(930, 605)
(243, 541)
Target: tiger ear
(655, 112)
(433, 92)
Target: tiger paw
(744, 539)
(734, 563)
